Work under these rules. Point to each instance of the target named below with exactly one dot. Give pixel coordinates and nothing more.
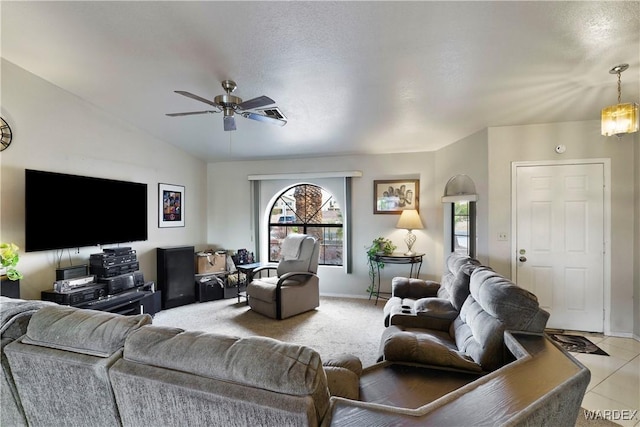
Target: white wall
(469, 157)
(229, 213)
(582, 141)
(54, 130)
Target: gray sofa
(470, 350)
(84, 367)
(474, 339)
(421, 303)
(14, 319)
(60, 366)
(141, 374)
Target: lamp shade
(410, 220)
(619, 119)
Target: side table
(247, 270)
(394, 258)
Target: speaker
(176, 275)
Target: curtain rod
(303, 175)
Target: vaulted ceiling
(351, 77)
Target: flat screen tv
(71, 211)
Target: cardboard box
(207, 262)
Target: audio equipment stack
(112, 283)
(113, 262)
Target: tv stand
(127, 303)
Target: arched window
(307, 209)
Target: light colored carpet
(339, 325)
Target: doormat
(577, 344)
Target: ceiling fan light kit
(229, 104)
(620, 118)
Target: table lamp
(410, 220)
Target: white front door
(559, 241)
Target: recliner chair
(294, 288)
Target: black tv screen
(71, 211)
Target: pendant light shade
(620, 118)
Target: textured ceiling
(351, 77)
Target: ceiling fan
(229, 105)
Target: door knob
(523, 259)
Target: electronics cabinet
(176, 271)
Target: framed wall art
(171, 205)
(395, 196)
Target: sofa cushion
(479, 335)
(514, 306)
(454, 285)
(89, 332)
(495, 304)
(438, 308)
(255, 361)
(428, 347)
(407, 287)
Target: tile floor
(615, 379)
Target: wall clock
(6, 134)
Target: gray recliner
(474, 340)
(421, 303)
(291, 287)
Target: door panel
(560, 240)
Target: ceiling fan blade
(229, 123)
(190, 113)
(196, 97)
(258, 102)
(266, 119)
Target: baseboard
(358, 296)
(622, 335)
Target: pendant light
(620, 118)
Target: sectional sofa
(83, 367)
(468, 350)
(460, 322)
(66, 366)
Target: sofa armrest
(265, 269)
(405, 287)
(424, 321)
(343, 375)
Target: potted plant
(379, 246)
(8, 260)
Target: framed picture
(395, 196)
(171, 205)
